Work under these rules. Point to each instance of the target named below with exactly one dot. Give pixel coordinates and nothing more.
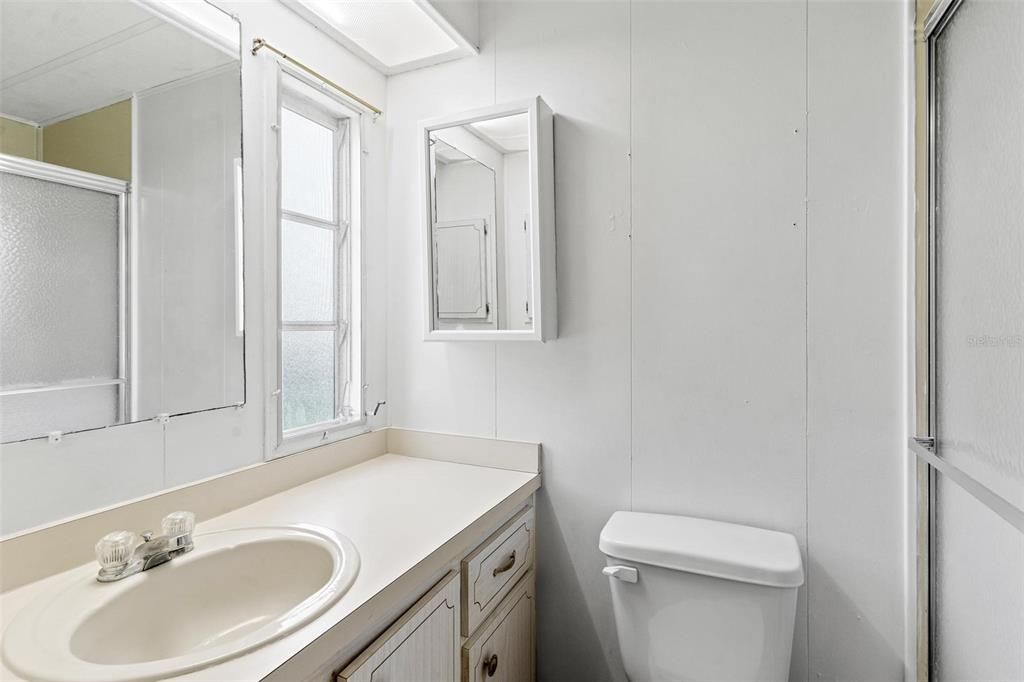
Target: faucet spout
(122, 554)
(162, 549)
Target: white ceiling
(60, 58)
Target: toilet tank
(710, 601)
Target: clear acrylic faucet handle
(178, 523)
(115, 550)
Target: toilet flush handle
(624, 573)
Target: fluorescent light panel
(394, 32)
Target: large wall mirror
(490, 224)
(120, 214)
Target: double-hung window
(319, 388)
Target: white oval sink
(237, 590)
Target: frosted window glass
(58, 283)
(29, 415)
(307, 273)
(307, 364)
(307, 166)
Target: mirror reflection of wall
(480, 205)
(120, 225)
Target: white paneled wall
(445, 387)
(40, 483)
(573, 394)
(731, 341)
(719, 278)
(856, 171)
(718, 261)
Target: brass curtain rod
(259, 43)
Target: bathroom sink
(237, 590)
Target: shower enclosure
(975, 350)
(61, 229)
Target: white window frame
(303, 96)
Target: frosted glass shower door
(977, 79)
(60, 307)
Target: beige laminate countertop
(405, 515)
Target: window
(319, 331)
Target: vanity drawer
(503, 651)
(490, 571)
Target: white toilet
(700, 601)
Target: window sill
(306, 439)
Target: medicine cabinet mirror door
(120, 214)
(489, 229)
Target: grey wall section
(856, 320)
(731, 297)
(719, 265)
(573, 394)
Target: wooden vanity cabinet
(475, 625)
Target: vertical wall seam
(807, 321)
(494, 57)
(912, 590)
(163, 448)
(495, 344)
(629, 196)
(494, 95)
(388, 255)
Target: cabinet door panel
(503, 649)
(420, 647)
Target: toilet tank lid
(714, 548)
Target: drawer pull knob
(505, 566)
(491, 665)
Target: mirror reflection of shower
(120, 234)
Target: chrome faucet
(124, 553)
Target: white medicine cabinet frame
(489, 263)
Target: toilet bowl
(698, 600)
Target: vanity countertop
(406, 515)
